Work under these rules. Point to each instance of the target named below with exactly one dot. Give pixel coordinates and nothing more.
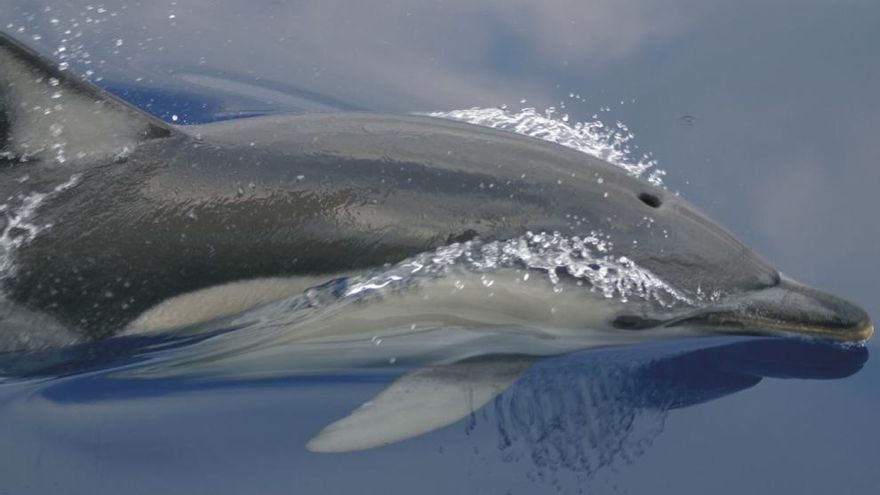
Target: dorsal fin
(51, 115)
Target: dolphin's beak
(788, 307)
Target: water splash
(19, 227)
(569, 263)
(64, 31)
(587, 260)
(610, 143)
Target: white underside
(218, 301)
(506, 297)
(456, 330)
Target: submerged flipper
(51, 115)
(420, 402)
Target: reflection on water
(586, 413)
(564, 423)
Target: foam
(610, 143)
(20, 227)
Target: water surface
(763, 115)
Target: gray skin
(195, 207)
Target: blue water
(763, 115)
(735, 411)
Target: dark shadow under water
(582, 413)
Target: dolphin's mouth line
(730, 323)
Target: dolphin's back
(158, 211)
(326, 194)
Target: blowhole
(651, 200)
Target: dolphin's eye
(633, 322)
(467, 235)
(650, 199)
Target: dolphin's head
(734, 289)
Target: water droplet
(593, 137)
(687, 120)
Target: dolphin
(119, 223)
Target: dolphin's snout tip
(856, 333)
(865, 331)
(837, 318)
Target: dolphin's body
(134, 225)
